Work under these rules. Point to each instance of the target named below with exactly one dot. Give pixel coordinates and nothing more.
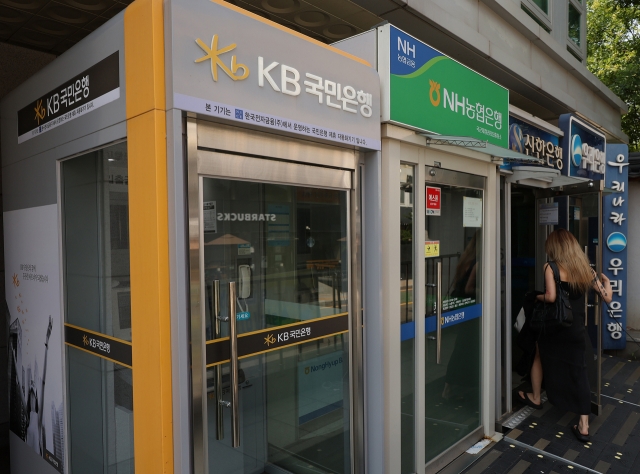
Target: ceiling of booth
(53, 26)
(325, 20)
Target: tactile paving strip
(615, 434)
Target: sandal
(582, 438)
(527, 401)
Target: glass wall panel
(100, 397)
(96, 240)
(407, 321)
(95, 222)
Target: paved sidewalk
(543, 442)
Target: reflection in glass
(407, 323)
(286, 249)
(574, 24)
(543, 5)
(284, 245)
(95, 219)
(453, 385)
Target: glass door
(453, 265)
(584, 223)
(273, 265)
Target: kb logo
(214, 54)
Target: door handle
(586, 293)
(215, 312)
(233, 343)
(439, 311)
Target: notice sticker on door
(209, 216)
(433, 197)
(548, 214)
(471, 212)
(431, 248)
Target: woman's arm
(549, 295)
(603, 287)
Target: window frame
(545, 19)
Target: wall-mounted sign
(548, 214)
(533, 141)
(84, 93)
(234, 65)
(614, 255)
(424, 89)
(584, 148)
(35, 370)
(433, 201)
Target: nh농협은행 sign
(424, 89)
(87, 91)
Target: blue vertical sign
(614, 257)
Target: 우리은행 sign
(585, 148)
(427, 90)
(614, 252)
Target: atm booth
(579, 187)
(182, 209)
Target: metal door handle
(586, 293)
(233, 343)
(217, 370)
(439, 312)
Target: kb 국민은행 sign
(84, 93)
(424, 89)
(231, 64)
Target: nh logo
(406, 47)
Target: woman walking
(562, 356)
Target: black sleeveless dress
(568, 362)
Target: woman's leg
(536, 379)
(583, 424)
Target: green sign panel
(432, 92)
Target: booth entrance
(533, 211)
(271, 295)
(453, 325)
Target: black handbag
(550, 317)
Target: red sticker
(433, 201)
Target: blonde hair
(563, 248)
